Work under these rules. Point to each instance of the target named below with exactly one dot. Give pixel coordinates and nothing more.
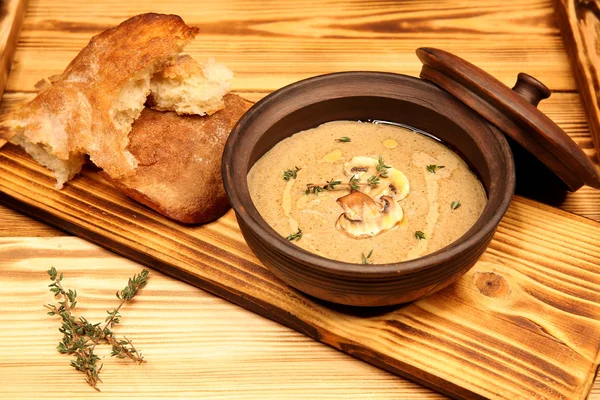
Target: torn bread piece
(90, 107)
(190, 87)
(181, 177)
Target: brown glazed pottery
(367, 96)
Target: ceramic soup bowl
(368, 96)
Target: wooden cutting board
(523, 323)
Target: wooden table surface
(198, 345)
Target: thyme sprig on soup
(367, 194)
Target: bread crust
(184, 68)
(180, 177)
(75, 115)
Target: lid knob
(514, 112)
(531, 89)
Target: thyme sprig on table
(80, 336)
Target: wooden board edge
(252, 304)
(590, 383)
(568, 35)
(12, 24)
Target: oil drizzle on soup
(444, 198)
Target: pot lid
(514, 112)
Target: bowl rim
(252, 218)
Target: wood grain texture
(579, 22)
(516, 326)
(12, 13)
(192, 348)
(15, 224)
(296, 39)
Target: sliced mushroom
(359, 207)
(395, 184)
(360, 165)
(364, 217)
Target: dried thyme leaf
(382, 167)
(432, 168)
(295, 236)
(353, 182)
(373, 180)
(290, 173)
(331, 184)
(365, 259)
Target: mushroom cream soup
(362, 192)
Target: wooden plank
(516, 326)
(292, 40)
(297, 39)
(186, 335)
(12, 13)
(311, 367)
(579, 22)
(15, 224)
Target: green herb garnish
(373, 180)
(295, 236)
(419, 235)
(331, 184)
(315, 189)
(365, 259)
(290, 173)
(455, 204)
(382, 168)
(344, 139)
(432, 168)
(80, 337)
(353, 182)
